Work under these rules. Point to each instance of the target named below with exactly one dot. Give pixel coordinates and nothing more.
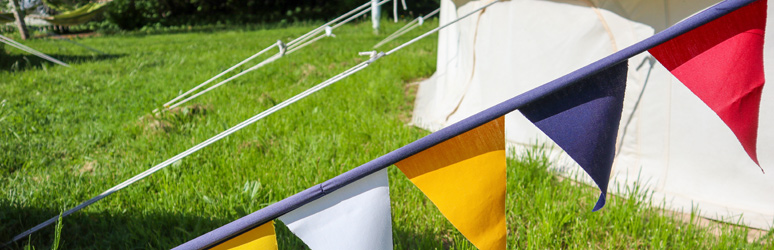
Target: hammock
(6, 18)
(77, 16)
(60, 5)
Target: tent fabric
(669, 141)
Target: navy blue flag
(583, 120)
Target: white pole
(376, 14)
(395, 10)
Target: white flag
(356, 216)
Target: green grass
(67, 134)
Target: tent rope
(219, 75)
(296, 48)
(282, 47)
(408, 27)
(374, 55)
(317, 30)
(20, 46)
(192, 150)
(259, 65)
(290, 47)
(420, 37)
(311, 34)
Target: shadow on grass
(28, 61)
(212, 28)
(410, 239)
(103, 230)
(401, 239)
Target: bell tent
(669, 141)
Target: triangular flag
(465, 178)
(722, 63)
(583, 120)
(261, 237)
(356, 216)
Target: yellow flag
(261, 237)
(465, 178)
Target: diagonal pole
(315, 192)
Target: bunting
(356, 216)
(721, 62)
(462, 169)
(583, 120)
(261, 237)
(465, 178)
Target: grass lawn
(67, 134)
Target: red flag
(721, 62)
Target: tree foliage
(133, 14)
(64, 5)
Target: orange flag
(465, 178)
(261, 237)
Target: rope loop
(282, 47)
(329, 31)
(373, 55)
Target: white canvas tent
(669, 142)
